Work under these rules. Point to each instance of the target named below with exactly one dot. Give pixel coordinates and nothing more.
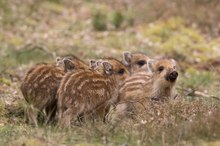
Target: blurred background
(33, 31)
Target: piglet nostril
(173, 75)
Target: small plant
(99, 21)
(117, 19)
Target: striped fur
(71, 62)
(39, 88)
(141, 87)
(89, 92)
(136, 62)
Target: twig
(191, 92)
(201, 94)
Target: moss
(175, 37)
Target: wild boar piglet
(142, 87)
(40, 84)
(89, 92)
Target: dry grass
(33, 32)
(176, 122)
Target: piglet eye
(161, 68)
(141, 62)
(121, 71)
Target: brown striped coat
(40, 84)
(89, 92)
(141, 87)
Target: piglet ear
(99, 62)
(108, 68)
(150, 63)
(92, 63)
(173, 61)
(68, 65)
(58, 60)
(127, 58)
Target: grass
(195, 79)
(38, 32)
(169, 123)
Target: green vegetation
(99, 21)
(34, 32)
(172, 37)
(195, 79)
(117, 19)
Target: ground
(32, 32)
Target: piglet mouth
(172, 76)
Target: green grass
(117, 19)
(196, 80)
(59, 27)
